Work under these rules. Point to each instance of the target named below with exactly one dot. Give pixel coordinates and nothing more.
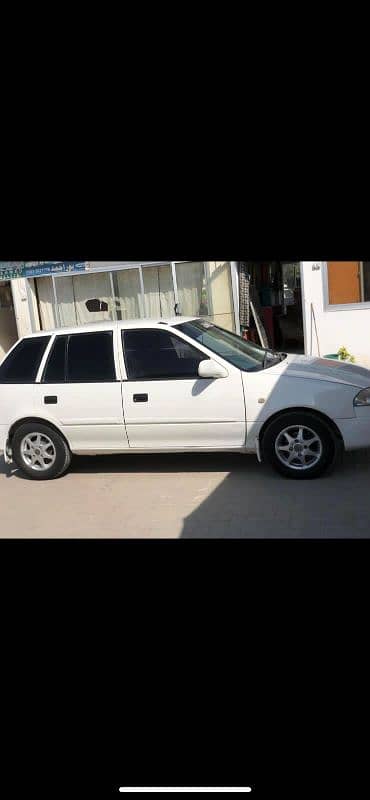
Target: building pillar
(21, 307)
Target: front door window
(159, 355)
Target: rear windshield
(22, 364)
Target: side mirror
(210, 369)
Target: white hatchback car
(177, 385)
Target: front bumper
(356, 431)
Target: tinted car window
(154, 354)
(55, 370)
(247, 356)
(90, 358)
(22, 364)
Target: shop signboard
(11, 270)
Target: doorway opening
(271, 301)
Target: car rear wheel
(40, 452)
(299, 445)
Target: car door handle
(50, 400)
(140, 398)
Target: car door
(167, 405)
(80, 390)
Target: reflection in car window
(244, 355)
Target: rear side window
(81, 358)
(55, 370)
(22, 364)
(90, 358)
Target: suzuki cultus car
(174, 386)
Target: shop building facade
(311, 307)
(126, 290)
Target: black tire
(61, 454)
(324, 448)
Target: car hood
(324, 369)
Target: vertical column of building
(22, 309)
(312, 278)
(8, 329)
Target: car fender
(268, 395)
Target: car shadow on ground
(154, 463)
(256, 503)
(253, 501)
(149, 464)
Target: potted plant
(342, 355)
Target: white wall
(348, 326)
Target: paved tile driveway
(186, 496)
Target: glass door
(95, 286)
(159, 294)
(192, 292)
(220, 294)
(129, 299)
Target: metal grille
(244, 293)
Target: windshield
(245, 355)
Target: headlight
(363, 398)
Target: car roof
(110, 325)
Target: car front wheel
(299, 445)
